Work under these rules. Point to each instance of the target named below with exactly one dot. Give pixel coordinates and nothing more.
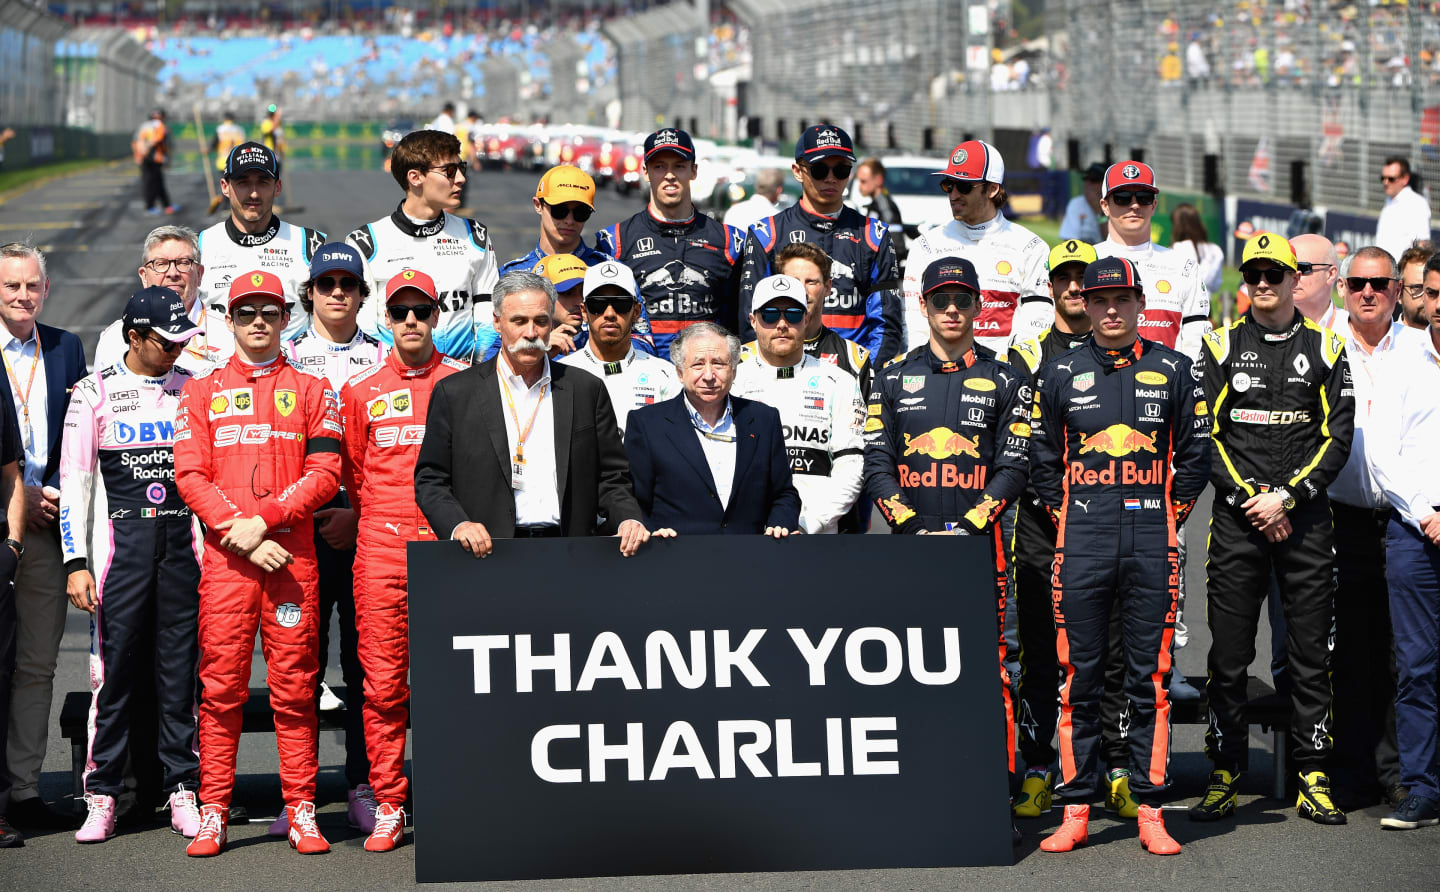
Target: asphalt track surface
(91, 225)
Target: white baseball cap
(781, 287)
(609, 273)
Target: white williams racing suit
(823, 419)
(1010, 260)
(456, 253)
(1177, 303)
(637, 380)
(282, 249)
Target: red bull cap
(950, 271)
(1112, 272)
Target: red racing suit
(258, 440)
(384, 410)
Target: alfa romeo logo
(1130, 172)
(959, 157)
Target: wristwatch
(1286, 498)
(15, 544)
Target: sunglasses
(1274, 275)
(596, 306)
(401, 312)
(964, 300)
(820, 171)
(166, 345)
(561, 211)
(328, 283)
(964, 187)
(450, 170)
(1378, 283)
(1307, 268)
(1385, 179)
(772, 315)
(246, 315)
(1125, 197)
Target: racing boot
(389, 829)
(184, 814)
(100, 822)
(210, 840)
(1153, 837)
(305, 836)
(1219, 799)
(361, 813)
(1073, 831)
(1119, 799)
(281, 825)
(1315, 802)
(1036, 793)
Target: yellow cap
(1268, 246)
(1070, 251)
(566, 183)
(564, 271)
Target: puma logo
(1174, 366)
(395, 527)
(1085, 505)
(1065, 366)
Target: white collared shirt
(1404, 428)
(537, 501)
(1355, 485)
(1404, 219)
(718, 445)
(20, 358)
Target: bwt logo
(148, 432)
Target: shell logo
(1163, 286)
(218, 405)
(1003, 267)
(378, 408)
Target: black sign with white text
(713, 704)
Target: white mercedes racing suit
(637, 380)
(823, 418)
(1014, 286)
(456, 253)
(1177, 303)
(282, 249)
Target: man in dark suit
(519, 448)
(707, 462)
(42, 364)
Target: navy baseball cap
(250, 156)
(823, 141)
(1111, 272)
(160, 309)
(950, 271)
(337, 257)
(670, 139)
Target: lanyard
(29, 382)
(524, 435)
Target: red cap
(410, 278)
(976, 161)
(256, 284)
(1128, 175)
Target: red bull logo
(1127, 472)
(943, 475)
(895, 511)
(941, 443)
(983, 513)
(1118, 440)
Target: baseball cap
(1112, 272)
(161, 310)
(824, 141)
(564, 183)
(1128, 175)
(1095, 173)
(337, 257)
(609, 273)
(257, 283)
(1268, 246)
(950, 271)
(564, 271)
(779, 287)
(670, 139)
(1070, 251)
(410, 278)
(250, 156)
(974, 160)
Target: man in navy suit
(42, 364)
(707, 462)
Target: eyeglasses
(1274, 275)
(1124, 197)
(596, 306)
(963, 300)
(160, 265)
(1306, 268)
(401, 312)
(450, 170)
(328, 283)
(964, 187)
(772, 315)
(167, 345)
(819, 171)
(561, 211)
(1415, 290)
(246, 315)
(1378, 283)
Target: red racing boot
(1074, 830)
(210, 840)
(389, 828)
(1153, 836)
(305, 836)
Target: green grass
(16, 179)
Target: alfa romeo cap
(1128, 175)
(974, 160)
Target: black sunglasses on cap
(819, 171)
(596, 305)
(1274, 275)
(561, 211)
(1124, 197)
(401, 312)
(964, 187)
